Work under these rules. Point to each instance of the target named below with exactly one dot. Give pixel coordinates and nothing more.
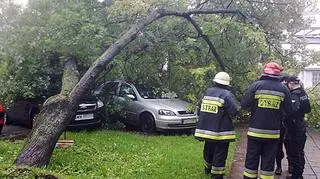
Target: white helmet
(222, 78)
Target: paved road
(312, 155)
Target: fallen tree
(50, 122)
(58, 110)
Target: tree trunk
(51, 122)
(58, 110)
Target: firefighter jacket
(300, 102)
(217, 106)
(267, 100)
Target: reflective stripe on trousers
(266, 174)
(215, 135)
(217, 170)
(250, 173)
(263, 133)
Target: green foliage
(44, 32)
(141, 7)
(190, 66)
(114, 154)
(168, 54)
(314, 98)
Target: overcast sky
(315, 15)
(22, 2)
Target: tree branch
(266, 2)
(200, 5)
(166, 12)
(206, 38)
(229, 4)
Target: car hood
(170, 104)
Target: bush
(313, 118)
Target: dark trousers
(1, 124)
(283, 141)
(215, 155)
(256, 149)
(297, 143)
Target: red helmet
(272, 68)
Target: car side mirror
(131, 96)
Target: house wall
(306, 78)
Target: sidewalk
(312, 155)
(240, 153)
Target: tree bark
(50, 122)
(58, 110)
(208, 41)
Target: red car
(2, 112)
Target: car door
(128, 100)
(108, 94)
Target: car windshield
(155, 93)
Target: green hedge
(313, 118)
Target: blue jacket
(295, 121)
(217, 106)
(267, 99)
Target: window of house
(315, 78)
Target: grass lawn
(117, 154)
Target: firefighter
(2, 113)
(296, 126)
(215, 125)
(266, 99)
(284, 140)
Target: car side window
(110, 89)
(126, 90)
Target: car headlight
(99, 104)
(166, 112)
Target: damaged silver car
(146, 108)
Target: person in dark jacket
(215, 125)
(267, 99)
(296, 126)
(284, 140)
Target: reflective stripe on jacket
(217, 107)
(267, 99)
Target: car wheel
(147, 123)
